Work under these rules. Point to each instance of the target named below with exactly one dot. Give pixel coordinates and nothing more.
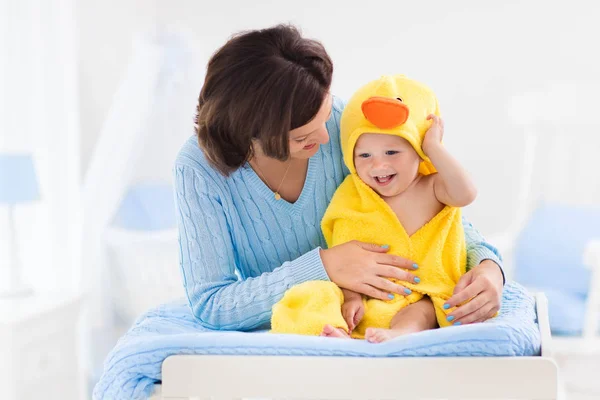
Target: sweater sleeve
(478, 249)
(218, 298)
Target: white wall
(474, 54)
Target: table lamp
(18, 185)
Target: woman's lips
(310, 146)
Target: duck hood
(392, 105)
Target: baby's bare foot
(330, 331)
(379, 335)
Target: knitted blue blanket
(134, 365)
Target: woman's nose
(322, 136)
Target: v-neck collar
(282, 204)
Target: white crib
(452, 378)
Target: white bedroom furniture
(38, 347)
(451, 378)
(559, 172)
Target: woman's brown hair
(260, 85)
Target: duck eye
(398, 98)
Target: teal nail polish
(457, 323)
(446, 306)
(390, 296)
(417, 279)
(449, 318)
(415, 266)
(385, 246)
(407, 291)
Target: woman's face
(306, 139)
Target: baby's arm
(452, 184)
(350, 295)
(353, 308)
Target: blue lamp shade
(18, 183)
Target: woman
(254, 183)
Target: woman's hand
(365, 268)
(483, 285)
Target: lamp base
(10, 273)
(16, 292)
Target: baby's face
(387, 163)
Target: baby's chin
(386, 192)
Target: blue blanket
(134, 365)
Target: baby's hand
(353, 311)
(434, 134)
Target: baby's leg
(331, 331)
(413, 318)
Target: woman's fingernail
(390, 296)
(407, 291)
(457, 323)
(449, 318)
(385, 246)
(417, 279)
(446, 306)
(415, 266)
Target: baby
(404, 190)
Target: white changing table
(452, 378)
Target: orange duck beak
(384, 112)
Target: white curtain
(149, 118)
(39, 114)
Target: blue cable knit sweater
(240, 249)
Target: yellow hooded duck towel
(392, 105)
